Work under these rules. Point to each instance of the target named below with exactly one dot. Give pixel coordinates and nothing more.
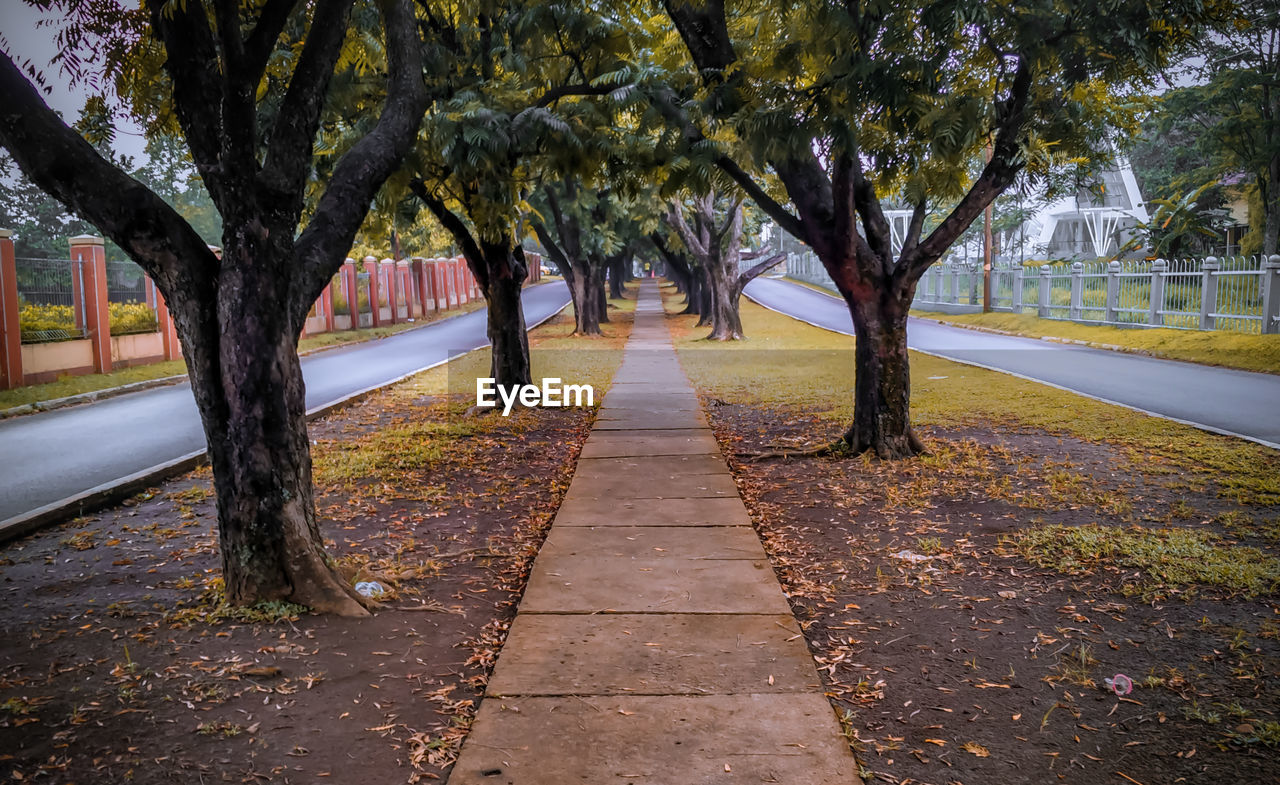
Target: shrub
(41, 323)
(130, 318)
(46, 323)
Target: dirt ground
(117, 664)
(953, 658)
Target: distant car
(547, 270)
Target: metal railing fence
(1238, 294)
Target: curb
(125, 389)
(98, 497)
(1149, 413)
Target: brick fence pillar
(371, 267)
(351, 291)
(440, 284)
(326, 302)
(421, 286)
(87, 251)
(388, 267)
(168, 330)
(10, 325)
(459, 285)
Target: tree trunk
(586, 311)
(882, 380)
(726, 324)
(693, 296)
(704, 298)
(507, 331)
(248, 384)
(616, 277)
(600, 297)
(1270, 192)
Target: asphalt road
(1238, 403)
(54, 455)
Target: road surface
(55, 455)
(1238, 403)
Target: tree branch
(564, 91)
(449, 220)
(58, 160)
(197, 88)
(288, 158)
(675, 219)
(997, 175)
(753, 272)
(555, 252)
(915, 227)
(366, 166)
(790, 223)
(262, 40)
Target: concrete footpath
(654, 645)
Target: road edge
(114, 490)
(1149, 413)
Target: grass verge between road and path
(67, 386)
(965, 607)
(120, 663)
(1207, 347)
(1260, 353)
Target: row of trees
(600, 131)
(1218, 140)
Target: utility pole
(986, 250)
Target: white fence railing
(1240, 294)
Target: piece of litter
(371, 589)
(1120, 684)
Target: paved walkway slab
(649, 466)
(647, 654)
(581, 508)
(655, 542)
(653, 645)
(656, 740)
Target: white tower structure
(1091, 224)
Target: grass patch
(397, 449)
(79, 385)
(794, 367)
(1165, 560)
(1209, 347)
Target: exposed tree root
(845, 447)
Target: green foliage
(43, 322)
(58, 322)
(129, 318)
(1166, 559)
(1182, 224)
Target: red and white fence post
(10, 325)
(87, 251)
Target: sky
(28, 40)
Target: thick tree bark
(238, 318)
(831, 196)
(576, 270)
(252, 403)
(722, 284)
(508, 332)
(1270, 193)
(882, 382)
(597, 297)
